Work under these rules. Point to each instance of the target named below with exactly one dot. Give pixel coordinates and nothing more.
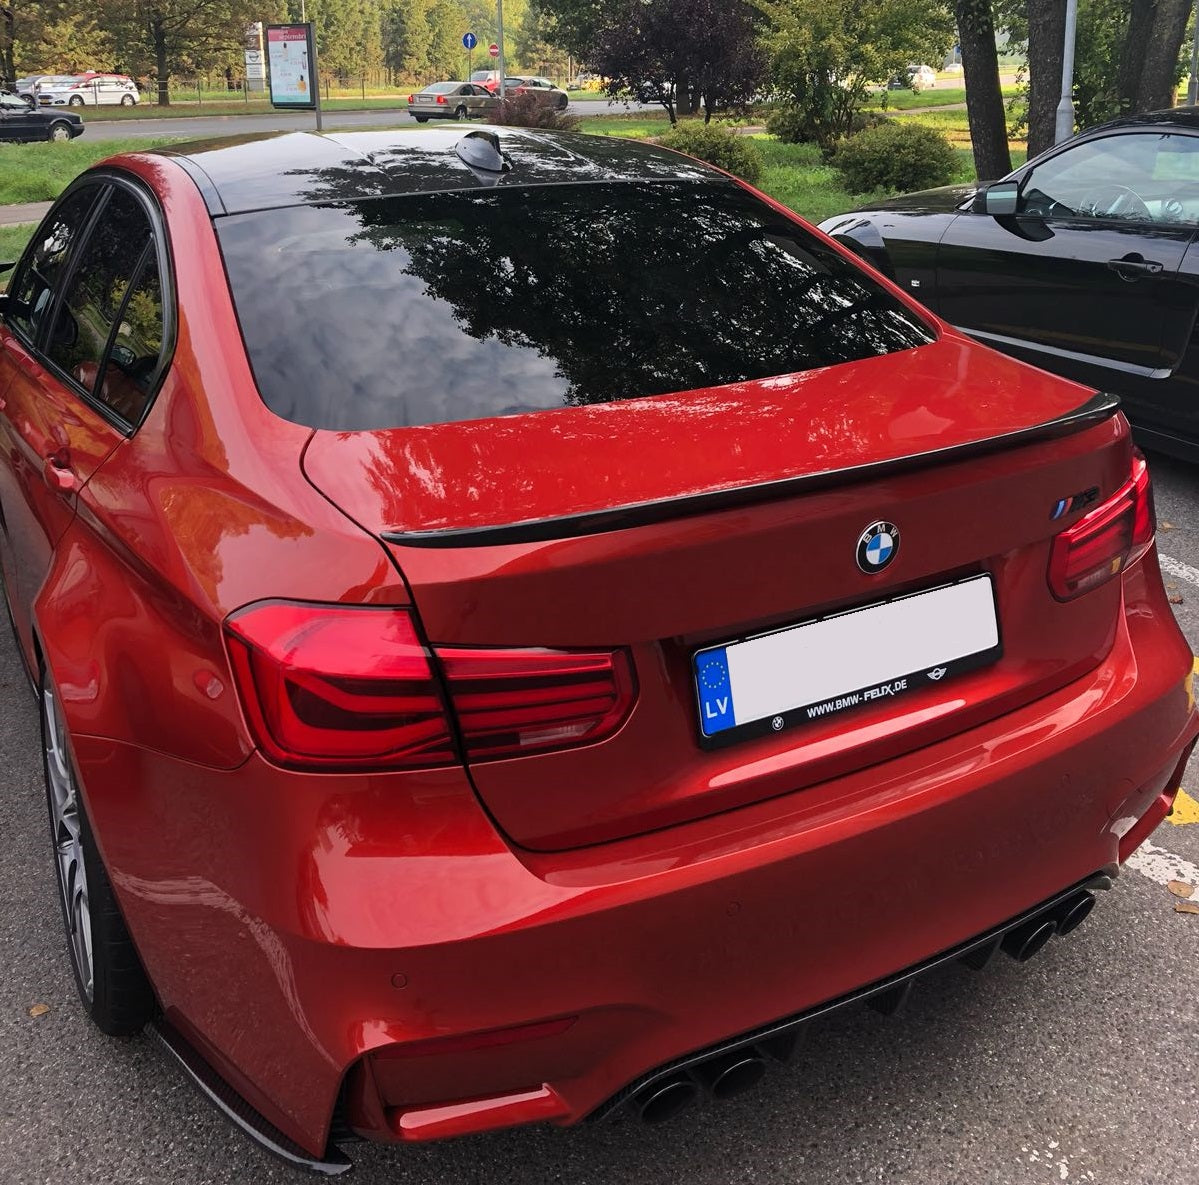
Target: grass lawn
(40, 172)
(12, 243)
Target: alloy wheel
(59, 132)
(62, 790)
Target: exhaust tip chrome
(733, 1075)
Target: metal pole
(1064, 126)
(315, 82)
(499, 40)
(1193, 85)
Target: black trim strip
(226, 1100)
(1101, 406)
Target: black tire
(61, 131)
(114, 990)
(127, 100)
(460, 113)
(562, 102)
(421, 118)
(75, 101)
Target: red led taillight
(353, 687)
(409, 98)
(441, 99)
(325, 685)
(1103, 543)
(511, 702)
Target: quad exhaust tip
(727, 1075)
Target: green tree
(827, 55)
(54, 36)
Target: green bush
(895, 156)
(793, 125)
(718, 146)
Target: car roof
(268, 171)
(1186, 118)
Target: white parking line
(1162, 866)
(1179, 569)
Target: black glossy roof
(301, 168)
(1179, 117)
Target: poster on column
(289, 55)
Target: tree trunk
(683, 99)
(1046, 32)
(984, 99)
(160, 58)
(1128, 76)
(8, 73)
(1159, 56)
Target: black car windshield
(441, 307)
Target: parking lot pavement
(1082, 1065)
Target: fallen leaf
(1165, 526)
(39, 1010)
(1186, 906)
(1175, 600)
(1181, 889)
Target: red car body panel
(308, 931)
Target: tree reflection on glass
(462, 305)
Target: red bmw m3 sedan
(489, 596)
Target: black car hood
(944, 200)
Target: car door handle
(57, 472)
(1134, 266)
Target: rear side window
(425, 309)
(32, 293)
(95, 299)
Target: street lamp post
(1064, 126)
(499, 40)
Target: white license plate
(424, 98)
(849, 660)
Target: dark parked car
(451, 100)
(1085, 261)
(20, 122)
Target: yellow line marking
(1186, 810)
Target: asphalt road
(203, 126)
(1082, 1065)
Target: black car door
(17, 120)
(1083, 279)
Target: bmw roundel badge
(878, 545)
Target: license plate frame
(962, 645)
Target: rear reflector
(353, 687)
(1103, 543)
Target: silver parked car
(451, 100)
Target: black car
(20, 122)
(1085, 261)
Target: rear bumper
(306, 932)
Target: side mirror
(999, 199)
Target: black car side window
(96, 296)
(1146, 177)
(44, 262)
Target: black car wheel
(460, 113)
(562, 102)
(108, 973)
(127, 100)
(421, 118)
(61, 130)
(75, 101)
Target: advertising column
(291, 61)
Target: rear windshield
(425, 309)
(440, 88)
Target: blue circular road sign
(469, 40)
